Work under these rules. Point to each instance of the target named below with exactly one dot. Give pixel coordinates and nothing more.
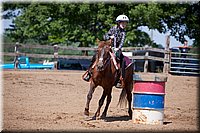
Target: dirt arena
(46, 100)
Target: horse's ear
(100, 43)
(97, 40)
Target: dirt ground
(48, 100)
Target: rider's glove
(111, 37)
(116, 49)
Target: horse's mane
(101, 44)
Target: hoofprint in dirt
(54, 100)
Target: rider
(117, 33)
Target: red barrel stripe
(152, 87)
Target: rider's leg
(121, 71)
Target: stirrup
(86, 76)
(118, 85)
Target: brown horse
(104, 73)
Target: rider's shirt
(119, 34)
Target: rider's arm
(110, 33)
(122, 40)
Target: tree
(63, 22)
(192, 19)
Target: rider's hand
(116, 49)
(111, 37)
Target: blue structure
(148, 101)
(25, 64)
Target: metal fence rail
(184, 63)
(174, 62)
(54, 54)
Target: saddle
(121, 68)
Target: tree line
(82, 23)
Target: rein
(114, 60)
(106, 62)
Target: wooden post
(167, 57)
(146, 62)
(16, 62)
(56, 56)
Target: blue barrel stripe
(151, 101)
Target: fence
(159, 57)
(184, 63)
(17, 48)
(54, 55)
(172, 62)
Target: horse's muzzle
(100, 66)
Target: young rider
(117, 34)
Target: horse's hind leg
(129, 98)
(101, 101)
(129, 87)
(89, 97)
(109, 97)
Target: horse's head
(103, 54)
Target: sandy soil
(45, 100)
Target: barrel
(148, 102)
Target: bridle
(103, 63)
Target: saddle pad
(127, 60)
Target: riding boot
(123, 69)
(88, 76)
(117, 77)
(118, 81)
(122, 74)
(119, 84)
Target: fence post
(146, 62)
(55, 56)
(167, 57)
(16, 62)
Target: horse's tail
(127, 87)
(123, 98)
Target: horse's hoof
(94, 118)
(86, 112)
(103, 116)
(130, 113)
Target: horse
(104, 74)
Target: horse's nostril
(100, 66)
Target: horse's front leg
(101, 101)
(89, 97)
(109, 97)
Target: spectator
(184, 49)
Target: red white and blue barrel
(148, 102)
